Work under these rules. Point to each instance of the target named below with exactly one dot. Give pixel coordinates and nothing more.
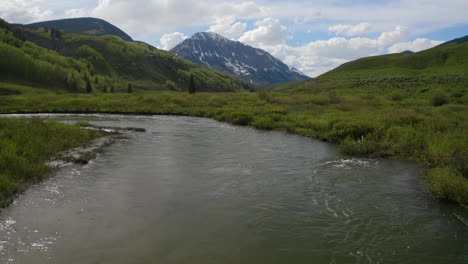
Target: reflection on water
(193, 190)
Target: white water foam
(349, 163)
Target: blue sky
(313, 36)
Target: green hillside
(85, 26)
(440, 68)
(66, 62)
(455, 41)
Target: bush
(405, 140)
(439, 98)
(353, 129)
(237, 118)
(396, 96)
(263, 95)
(366, 146)
(264, 123)
(448, 183)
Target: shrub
(238, 117)
(353, 129)
(264, 123)
(334, 98)
(367, 146)
(396, 96)
(448, 183)
(439, 98)
(405, 140)
(263, 95)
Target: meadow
(431, 127)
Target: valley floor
(362, 124)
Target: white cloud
(80, 12)
(269, 31)
(317, 57)
(351, 30)
(307, 18)
(414, 46)
(161, 15)
(422, 16)
(320, 56)
(228, 28)
(388, 38)
(171, 40)
(22, 11)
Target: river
(194, 190)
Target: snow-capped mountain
(249, 64)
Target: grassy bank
(25, 146)
(432, 128)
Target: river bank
(31, 148)
(362, 125)
(40, 144)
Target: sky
(313, 36)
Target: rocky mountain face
(251, 65)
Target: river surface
(193, 190)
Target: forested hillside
(79, 63)
(85, 26)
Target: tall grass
(26, 145)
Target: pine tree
(89, 88)
(191, 88)
(130, 88)
(112, 89)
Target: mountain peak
(249, 64)
(208, 36)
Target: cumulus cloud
(320, 56)
(388, 38)
(228, 28)
(351, 30)
(171, 40)
(317, 57)
(415, 46)
(269, 31)
(21, 11)
(159, 15)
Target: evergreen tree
(89, 88)
(191, 88)
(130, 88)
(55, 34)
(112, 89)
(104, 89)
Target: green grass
(443, 67)
(370, 125)
(9, 87)
(26, 145)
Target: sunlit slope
(65, 62)
(440, 67)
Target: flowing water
(193, 190)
